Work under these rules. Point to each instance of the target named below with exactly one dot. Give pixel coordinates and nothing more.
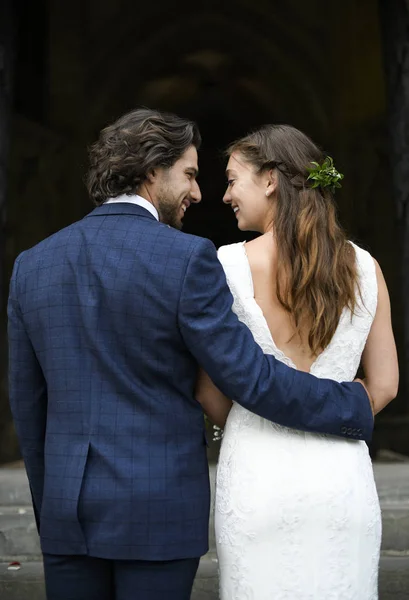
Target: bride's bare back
(262, 257)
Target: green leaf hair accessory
(325, 175)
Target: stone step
(394, 578)
(18, 533)
(395, 527)
(392, 482)
(28, 582)
(19, 538)
(14, 488)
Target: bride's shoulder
(364, 259)
(233, 260)
(368, 277)
(230, 253)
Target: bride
(297, 514)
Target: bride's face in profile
(250, 195)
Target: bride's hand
(371, 401)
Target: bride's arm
(379, 359)
(214, 402)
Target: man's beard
(169, 208)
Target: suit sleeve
(226, 349)
(28, 396)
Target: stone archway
(226, 71)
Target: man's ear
(151, 176)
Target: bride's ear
(271, 183)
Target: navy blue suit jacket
(108, 321)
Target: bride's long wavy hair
(316, 274)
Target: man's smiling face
(177, 188)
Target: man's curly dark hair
(130, 148)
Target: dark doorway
(231, 67)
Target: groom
(108, 322)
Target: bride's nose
(227, 197)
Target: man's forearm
(302, 401)
(227, 351)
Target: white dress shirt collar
(135, 199)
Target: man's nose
(195, 194)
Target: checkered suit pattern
(108, 320)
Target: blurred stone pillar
(394, 17)
(6, 68)
(7, 44)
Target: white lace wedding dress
(297, 514)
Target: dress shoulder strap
(367, 296)
(235, 264)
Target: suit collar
(121, 208)
(135, 199)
